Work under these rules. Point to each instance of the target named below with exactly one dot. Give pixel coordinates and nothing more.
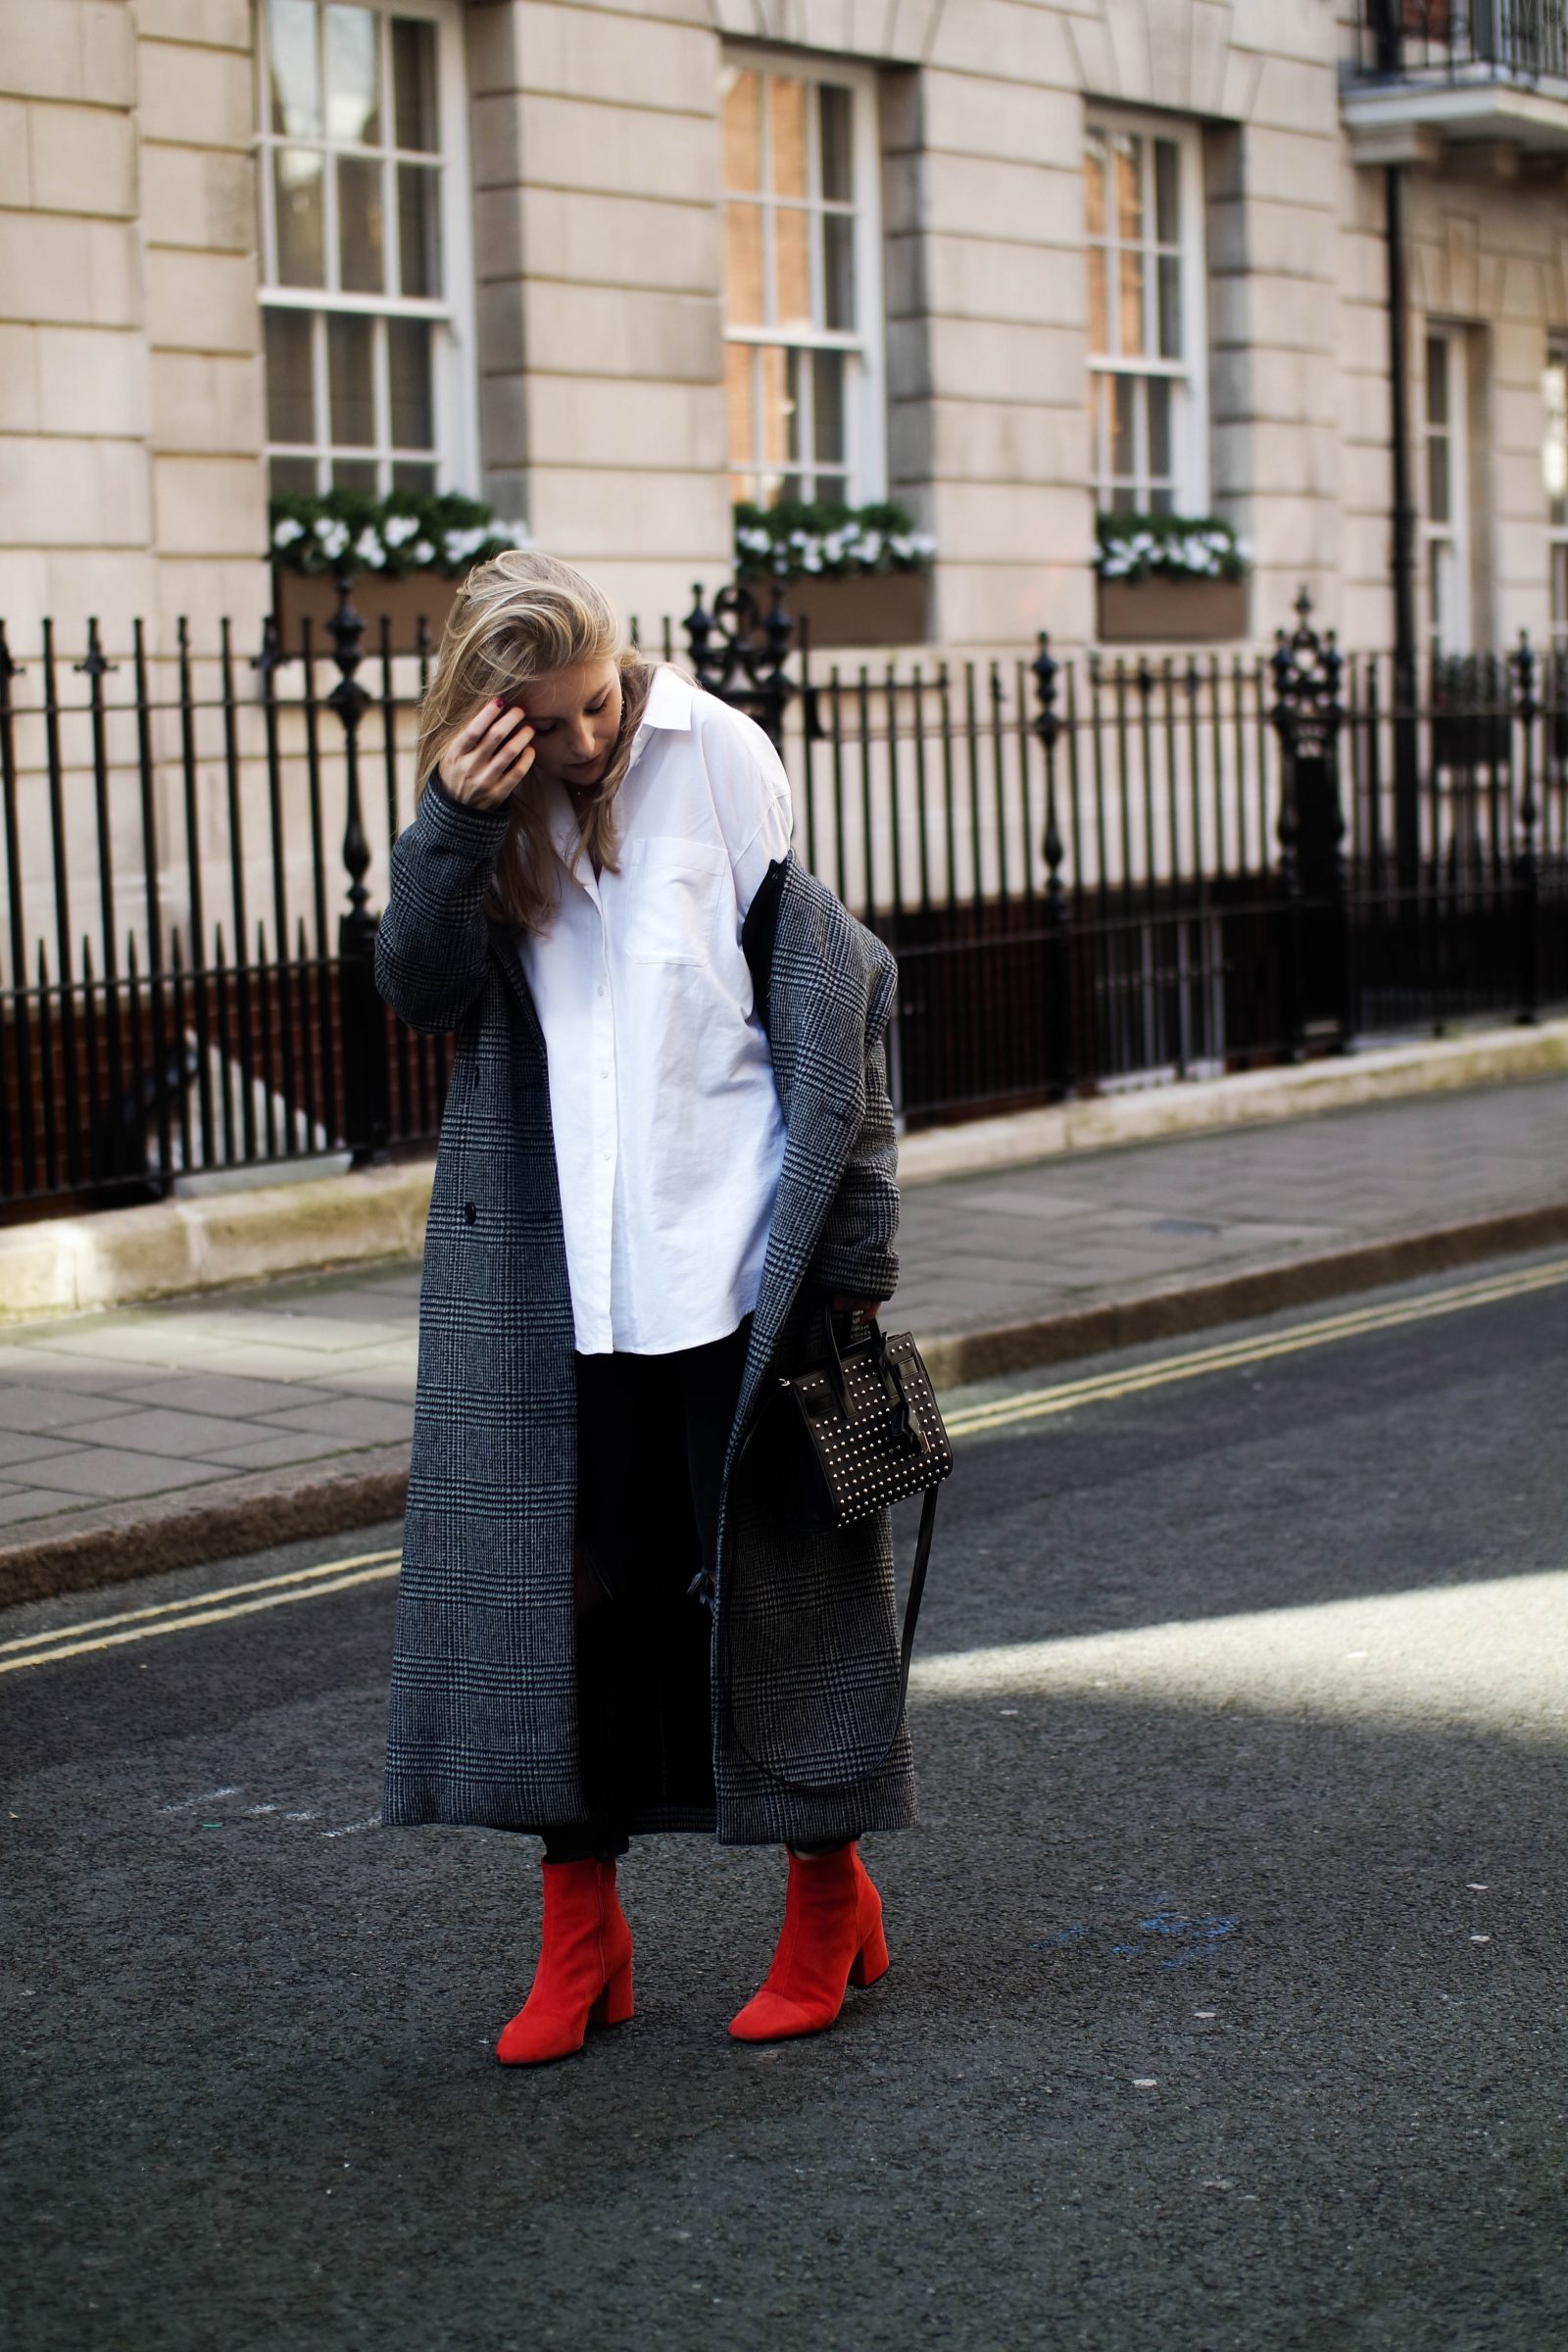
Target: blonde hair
(517, 618)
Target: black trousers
(651, 1432)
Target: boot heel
(871, 1960)
(614, 2005)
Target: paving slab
(296, 1395)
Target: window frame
(1189, 476)
(1448, 546)
(454, 388)
(1557, 358)
(866, 404)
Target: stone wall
(129, 380)
(131, 393)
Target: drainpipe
(1406, 782)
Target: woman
(667, 1150)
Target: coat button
(470, 1212)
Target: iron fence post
(1307, 717)
(361, 1015)
(1526, 867)
(1059, 1073)
(739, 653)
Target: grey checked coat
(808, 1740)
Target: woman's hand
(487, 761)
(855, 1307)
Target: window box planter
(878, 607)
(1170, 611)
(298, 596)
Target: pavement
(142, 1437)
(1225, 2010)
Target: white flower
(368, 547)
(871, 546)
(461, 545)
(755, 541)
(423, 552)
(334, 535)
(287, 531)
(396, 528)
(517, 532)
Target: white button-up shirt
(667, 1128)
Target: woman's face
(575, 718)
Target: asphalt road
(1227, 2007)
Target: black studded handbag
(854, 1433)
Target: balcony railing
(1462, 41)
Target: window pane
(418, 229)
(1124, 500)
(835, 119)
(354, 473)
(796, 364)
(301, 250)
(838, 269)
(775, 410)
(738, 394)
(291, 473)
(350, 373)
(295, 81)
(1554, 438)
(290, 393)
(1161, 502)
(1439, 502)
(1437, 380)
(407, 363)
(1168, 192)
(1127, 151)
(792, 270)
(1122, 447)
(1098, 323)
(828, 400)
(1170, 306)
(361, 230)
(415, 90)
(787, 123)
(743, 264)
(1559, 588)
(1159, 403)
(743, 135)
(1098, 466)
(408, 474)
(353, 74)
(1094, 182)
(1130, 303)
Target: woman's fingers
(490, 755)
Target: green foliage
(820, 539)
(356, 531)
(1168, 547)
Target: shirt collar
(672, 700)
(671, 706)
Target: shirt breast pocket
(673, 901)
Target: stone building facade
(610, 263)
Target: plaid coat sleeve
(431, 949)
(856, 1254)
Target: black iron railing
(1092, 873)
(1463, 40)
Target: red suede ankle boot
(584, 1974)
(832, 1939)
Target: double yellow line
(969, 1421)
(1230, 1355)
(186, 1616)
